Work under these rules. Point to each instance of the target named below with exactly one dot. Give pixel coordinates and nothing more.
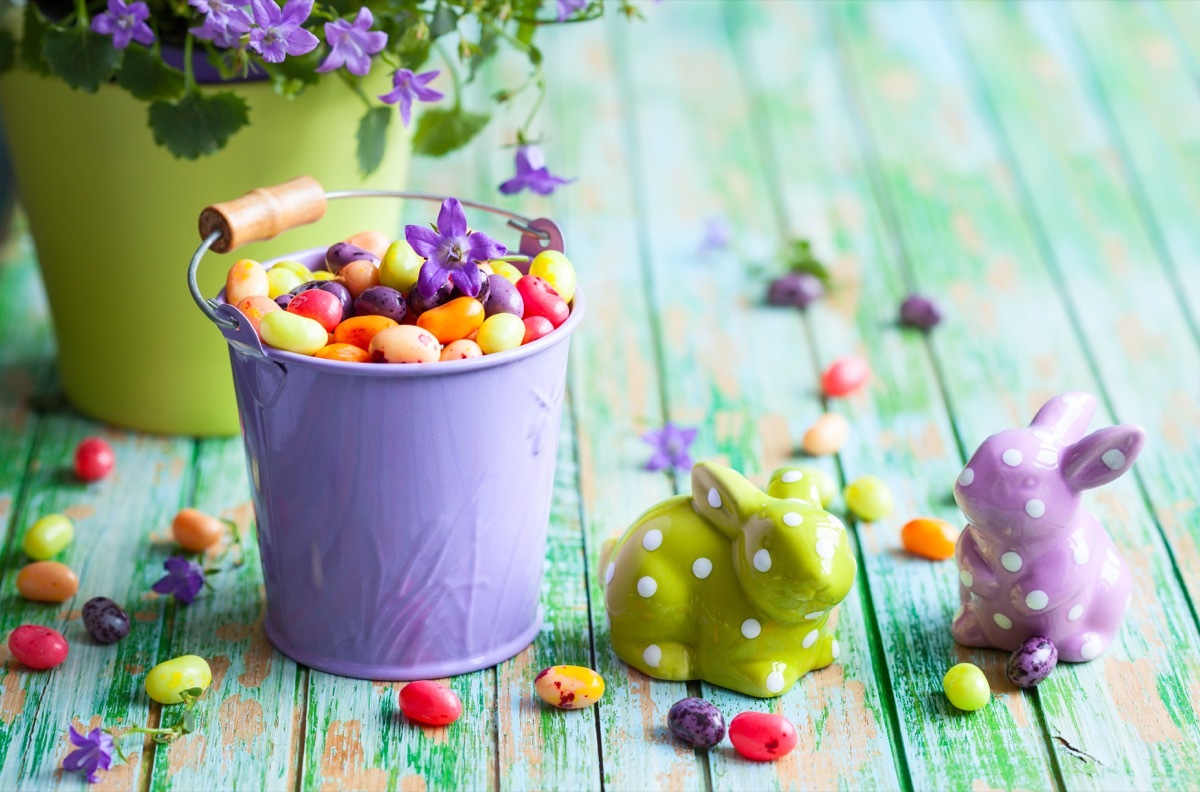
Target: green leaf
(799, 258)
(441, 131)
(442, 22)
(144, 75)
(8, 51)
(372, 138)
(34, 30)
(85, 60)
(198, 125)
(187, 722)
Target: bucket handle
(266, 212)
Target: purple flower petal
(466, 278)
(452, 220)
(481, 247)
(430, 278)
(658, 461)
(421, 239)
(405, 87)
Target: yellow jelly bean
(246, 278)
(555, 268)
(292, 332)
(456, 319)
(405, 344)
(486, 268)
(48, 536)
(506, 271)
(569, 687)
(167, 680)
(322, 275)
(281, 281)
(302, 271)
(400, 266)
(500, 332)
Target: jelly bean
(844, 376)
(346, 353)
(503, 297)
(507, 271)
(322, 275)
(37, 647)
(555, 268)
(541, 300)
(967, 687)
(419, 304)
(696, 722)
(320, 306)
(301, 271)
(500, 332)
(569, 687)
(920, 312)
(826, 435)
(195, 531)
(796, 290)
(94, 459)
(282, 281)
(869, 498)
(106, 621)
(381, 301)
(825, 483)
(374, 242)
(431, 703)
(762, 736)
(292, 332)
(929, 537)
(167, 680)
(460, 349)
(342, 253)
(483, 288)
(358, 276)
(454, 320)
(246, 278)
(282, 301)
(400, 267)
(48, 536)
(1032, 662)
(535, 328)
(255, 308)
(405, 344)
(485, 268)
(337, 289)
(47, 581)
(359, 330)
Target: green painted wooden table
(1035, 167)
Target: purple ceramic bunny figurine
(1032, 561)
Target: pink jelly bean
(430, 702)
(844, 376)
(762, 736)
(37, 646)
(541, 300)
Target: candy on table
(346, 353)
(381, 301)
(826, 435)
(359, 330)
(697, 722)
(37, 647)
(920, 312)
(536, 327)
(405, 344)
(168, 679)
(375, 242)
(456, 319)
(929, 537)
(94, 459)
(762, 736)
(506, 270)
(106, 621)
(500, 332)
(503, 297)
(731, 585)
(844, 376)
(48, 537)
(340, 254)
(47, 581)
(460, 349)
(282, 281)
(1032, 662)
(320, 306)
(869, 498)
(967, 687)
(555, 268)
(254, 308)
(431, 703)
(246, 278)
(1033, 562)
(400, 266)
(293, 333)
(196, 531)
(795, 289)
(569, 686)
(540, 299)
(358, 276)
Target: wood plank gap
(301, 693)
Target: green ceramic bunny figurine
(730, 584)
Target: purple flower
(716, 234)
(183, 580)
(279, 33)
(352, 43)
(451, 251)
(671, 444)
(93, 752)
(225, 21)
(124, 23)
(568, 7)
(407, 86)
(532, 173)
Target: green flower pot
(114, 220)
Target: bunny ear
(723, 496)
(1102, 456)
(1066, 416)
(798, 484)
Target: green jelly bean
(967, 687)
(167, 680)
(500, 332)
(48, 536)
(869, 498)
(292, 332)
(281, 280)
(400, 266)
(301, 271)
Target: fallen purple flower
(671, 447)
(183, 580)
(93, 752)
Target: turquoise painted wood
(1032, 166)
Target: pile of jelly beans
(364, 307)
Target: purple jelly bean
(503, 297)
(797, 289)
(105, 620)
(419, 305)
(1032, 662)
(381, 301)
(283, 300)
(342, 253)
(696, 722)
(920, 312)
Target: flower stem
(454, 75)
(82, 14)
(189, 76)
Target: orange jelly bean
(255, 307)
(456, 319)
(359, 330)
(347, 353)
(929, 538)
(374, 241)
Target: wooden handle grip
(263, 213)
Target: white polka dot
(791, 477)
(1011, 561)
(836, 648)
(1114, 458)
(652, 540)
(1082, 553)
(751, 628)
(814, 615)
(1091, 647)
(775, 681)
(702, 568)
(1035, 508)
(825, 549)
(1048, 457)
(966, 477)
(762, 560)
(714, 498)
(608, 573)
(652, 655)
(1002, 621)
(809, 639)
(1012, 457)
(1075, 613)
(1036, 600)
(967, 578)
(647, 586)
(792, 519)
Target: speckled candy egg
(105, 620)
(569, 687)
(1032, 662)
(696, 722)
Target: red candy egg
(37, 646)
(762, 736)
(322, 306)
(541, 300)
(535, 328)
(844, 376)
(94, 459)
(430, 702)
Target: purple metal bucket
(401, 510)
